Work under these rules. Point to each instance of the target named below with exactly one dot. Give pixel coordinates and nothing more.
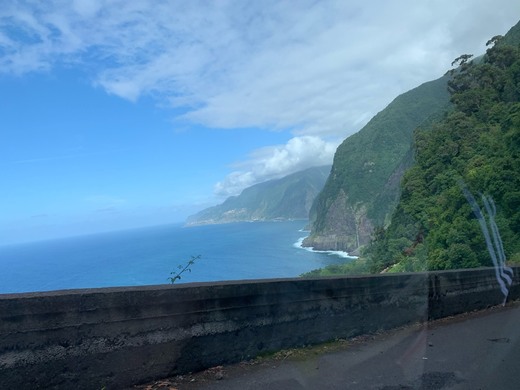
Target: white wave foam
(299, 244)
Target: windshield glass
(156, 143)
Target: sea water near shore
(146, 256)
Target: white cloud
(319, 69)
(277, 161)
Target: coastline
(225, 222)
(234, 251)
(342, 254)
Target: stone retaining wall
(111, 338)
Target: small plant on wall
(176, 275)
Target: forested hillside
(477, 146)
(363, 187)
(290, 197)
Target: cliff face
(346, 227)
(363, 187)
(290, 197)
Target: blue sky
(121, 114)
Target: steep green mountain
(476, 148)
(363, 187)
(512, 38)
(287, 198)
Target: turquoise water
(148, 256)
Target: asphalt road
(473, 351)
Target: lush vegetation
(353, 267)
(475, 143)
(478, 143)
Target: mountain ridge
(466, 176)
(363, 187)
(286, 198)
(357, 199)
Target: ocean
(147, 256)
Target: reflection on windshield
(493, 241)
